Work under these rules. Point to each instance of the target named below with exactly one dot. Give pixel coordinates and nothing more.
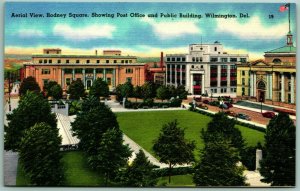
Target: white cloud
(84, 33)
(168, 30)
(26, 33)
(253, 29)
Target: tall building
(207, 69)
(114, 68)
(272, 80)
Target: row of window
(222, 90)
(45, 61)
(175, 59)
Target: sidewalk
(10, 165)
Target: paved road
(10, 165)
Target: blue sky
(143, 36)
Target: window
(40, 61)
(45, 61)
(89, 71)
(130, 61)
(50, 61)
(243, 60)
(191, 48)
(77, 62)
(78, 71)
(47, 52)
(201, 66)
(289, 86)
(98, 61)
(99, 70)
(173, 59)
(224, 59)
(122, 61)
(232, 66)
(58, 61)
(243, 81)
(193, 59)
(109, 71)
(115, 61)
(214, 59)
(45, 71)
(87, 61)
(192, 66)
(129, 79)
(233, 59)
(200, 59)
(68, 71)
(68, 81)
(243, 73)
(168, 59)
(45, 81)
(183, 59)
(243, 91)
(129, 70)
(67, 61)
(215, 48)
(108, 80)
(126, 61)
(107, 61)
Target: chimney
(161, 60)
(96, 52)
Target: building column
(113, 78)
(62, 78)
(251, 84)
(271, 86)
(104, 74)
(171, 74)
(180, 74)
(254, 84)
(228, 78)
(292, 88)
(166, 74)
(268, 87)
(282, 87)
(83, 77)
(192, 84)
(175, 75)
(73, 74)
(202, 84)
(94, 72)
(219, 79)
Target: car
(223, 106)
(243, 116)
(268, 114)
(230, 113)
(203, 106)
(229, 105)
(198, 99)
(206, 101)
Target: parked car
(268, 114)
(229, 105)
(230, 113)
(223, 106)
(243, 116)
(206, 101)
(203, 106)
(198, 99)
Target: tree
(148, 89)
(170, 142)
(218, 164)
(111, 154)
(29, 84)
(140, 172)
(137, 92)
(99, 88)
(48, 86)
(278, 163)
(127, 90)
(90, 125)
(181, 92)
(162, 93)
(222, 124)
(40, 156)
(76, 89)
(32, 109)
(56, 91)
(172, 91)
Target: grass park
(144, 128)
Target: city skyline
(264, 30)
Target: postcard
(150, 94)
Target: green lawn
(77, 172)
(144, 127)
(178, 180)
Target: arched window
(276, 61)
(261, 85)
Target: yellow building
(272, 80)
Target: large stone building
(207, 69)
(272, 80)
(111, 66)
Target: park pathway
(10, 165)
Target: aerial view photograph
(149, 94)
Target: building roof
(79, 56)
(284, 49)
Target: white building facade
(207, 69)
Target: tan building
(114, 68)
(272, 80)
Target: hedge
(174, 171)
